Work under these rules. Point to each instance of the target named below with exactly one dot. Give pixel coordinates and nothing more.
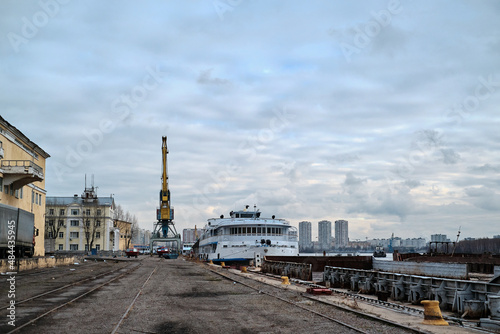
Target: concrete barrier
(39, 262)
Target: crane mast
(165, 212)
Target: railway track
(358, 322)
(41, 305)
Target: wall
(41, 262)
(13, 151)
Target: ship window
(239, 230)
(254, 230)
(224, 246)
(259, 230)
(268, 230)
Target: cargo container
(18, 227)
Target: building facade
(22, 179)
(325, 234)
(190, 235)
(305, 235)
(81, 223)
(126, 233)
(341, 233)
(439, 238)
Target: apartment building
(305, 235)
(22, 181)
(341, 233)
(81, 223)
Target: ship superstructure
(246, 237)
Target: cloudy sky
(383, 113)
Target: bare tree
(119, 213)
(126, 223)
(92, 219)
(53, 225)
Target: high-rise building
(325, 234)
(439, 238)
(305, 235)
(190, 235)
(341, 233)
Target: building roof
(101, 201)
(20, 135)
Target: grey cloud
(450, 156)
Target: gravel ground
(182, 297)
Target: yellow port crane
(164, 230)
(166, 213)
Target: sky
(382, 113)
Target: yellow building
(22, 180)
(125, 233)
(81, 223)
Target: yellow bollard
(211, 262)
(223, 264)
(432, 313)
(284, 280)
(243, 269)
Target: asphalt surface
(155, 295)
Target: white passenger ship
(245, 237)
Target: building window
(75, 223)
(98, 247)
(61, 246)
(73, 235)
(75, 212)
(51, 222)
(87, 212)
(73, 247)
(21, 195)
(98, 223)
(51, 235)
(61, 223)
(97, 235)
(98, 212)
(51, 212)
(86, 248)
(61, 235)
(61, 212)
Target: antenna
(455, 245)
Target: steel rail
(66, 286)
(133, 302)
(290, 302)
(73, 300)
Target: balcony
(19, 173)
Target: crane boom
(165, 212)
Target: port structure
(164, 227)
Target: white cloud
(377, 140)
